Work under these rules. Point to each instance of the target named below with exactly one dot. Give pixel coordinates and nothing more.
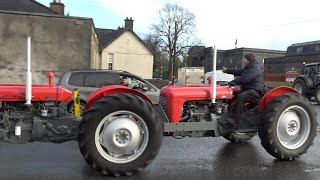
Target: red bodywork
(178, 95)
(267, 98)
(113, 89)
(16, 92)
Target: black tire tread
(239, 138)
(267, 132)
(317, 99)
(303, 84)
(113, 102)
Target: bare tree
(174, 30)
(152, 42)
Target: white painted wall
(129, 55)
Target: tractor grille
(163, 103)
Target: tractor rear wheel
(239, 137)
(317, 95)
(300, 86)
(288, 126)
(120, 135)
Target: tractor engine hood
(16, 92)
(173, 97)
(196, 92)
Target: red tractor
(121, 131)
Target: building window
(317, 47)
(110, 61)
(299, 49)
(201, 62)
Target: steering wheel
(231, 84)
(234, 86)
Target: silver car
(88, 80)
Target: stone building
(296, 56)
(201, 56)
(60, 43)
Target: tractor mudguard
(114, 89)
(278, 91)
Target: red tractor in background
(121, 131)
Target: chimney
(128, 24)
(57, 7)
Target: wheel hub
(293, 127)
(120, 136)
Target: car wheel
(82, 108)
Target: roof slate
(107, 36)
(31, 6)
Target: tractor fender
(272, 94)
(113, 89)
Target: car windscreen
(94, 79)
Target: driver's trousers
(248, 96)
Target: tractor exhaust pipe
(213, 77)
(28, 74)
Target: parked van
(190, 75)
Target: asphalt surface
(187, 158)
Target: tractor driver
(251, 81)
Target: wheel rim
(82, 109)
(298, 87)
(318, 94)
(293, 127)
(121, 137)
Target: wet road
(187, 158)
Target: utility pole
(172, 73)
(234, 62)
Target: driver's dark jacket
(250, 77)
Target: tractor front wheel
(317, 95)
(300, 86)
(120, 134)
(289, 126)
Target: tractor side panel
(272, 94)
(16, 92)
(113, 89)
